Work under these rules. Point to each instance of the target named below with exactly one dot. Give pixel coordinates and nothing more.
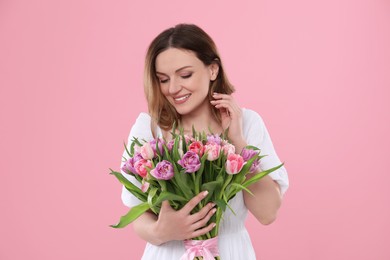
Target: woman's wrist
(158, 235)
(239, 144)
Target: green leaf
(211, 186)
(199, 173)
(227, 204)
(127, 150)
(175, 149)
(151, 195)
(180, 181)
(251, 147)
(135, 140)
(129, 186)
(132, 215)
(247, 166)
(193, 131)
(221, 204)
(165, 195)
(260, 175)
(240, 187)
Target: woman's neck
(202, 120)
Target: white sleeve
(257, 135)
(141, 130)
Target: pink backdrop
(71, 87)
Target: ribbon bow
(206, 248)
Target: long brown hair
(186, 37)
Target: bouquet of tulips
(179, 169)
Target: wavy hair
(186, 37)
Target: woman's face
(184, 79)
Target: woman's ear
(214, 69)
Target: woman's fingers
(202, 213)
(202, 231)
(203, 222)
(221, 96)
(165, 206)
(193, 202)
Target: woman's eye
(163, 80)
(186, 76)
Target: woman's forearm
(267, 198)
(266, 201)
(145, 227)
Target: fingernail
(214, 210)
(215, 93)
(214, 225)
(205, 193)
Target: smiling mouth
(182, 98)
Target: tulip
(247, 154)
(190, 162)
(228, 148)
(145, 185)
(160, 146)
(234, 163)
(213, 150)
(141, 167)
(147, 151)
(128, 166)
(163, 171)
(196, 147)
(214, 139)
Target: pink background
(71, 87)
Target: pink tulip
(140, 167)
(234, 163)
(145, 185)
(147, 151)
(196, 147)
(188, 139)
(213, 150)
(137, 148)
(228, 148)
(128, 166)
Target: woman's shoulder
(253, 124)
(141, 126)
(250, 115)
(143, 116)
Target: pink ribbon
(206, 248)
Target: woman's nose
(174, 87)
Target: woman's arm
(267, 198)
(175, 225)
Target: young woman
(185, 83)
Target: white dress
(233, 240)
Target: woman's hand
(231, 116)
(181, 224)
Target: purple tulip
(160, 145)
(163, 171)
(128, 166)
(214, 139)
(170, 145)
(190, 162)
(248, 154)
(255, 167)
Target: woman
(185, 83)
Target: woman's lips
(181, 99)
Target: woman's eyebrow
(185, 67)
